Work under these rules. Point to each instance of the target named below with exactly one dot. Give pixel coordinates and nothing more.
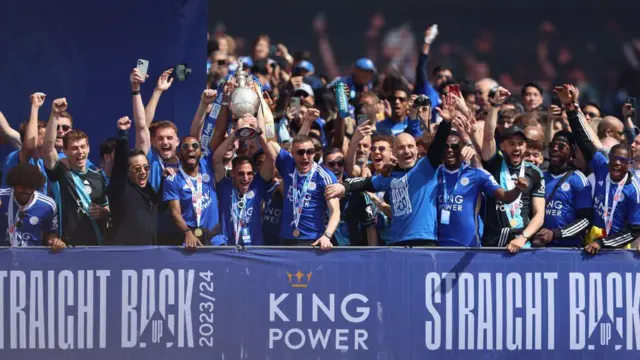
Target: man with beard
(410, 188)
(358, 152)
(30, 216)
(459, 189)
(616, 201)
(510, 225)
(191, 197)
(241, 194)
(83, 191)
(133, 201)
(399, 121)
(568, 197)
(357, 223)
(303, 217)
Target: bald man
(535, 146)
(611, 127)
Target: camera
(421, 100)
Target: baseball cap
(565, 137)
(365, 64)
(304, 87)
(305, 65)
(512, 131)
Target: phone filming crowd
(278, 155)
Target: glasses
(302, 152)
(560, 145)
(300, 94)
(64, 127)
(378, 148)
(139, 169)
(333, 163)
(441, 76)
(394, 98)
(222, 62)
(622, 159)
(454, 147)
(190, 146)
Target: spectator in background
(611, 127)
(532, 96)
(399, 121)
(29, 217)
(107, 154)
(591, 111)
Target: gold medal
(197, 232)
(296, 233)
(514, 222)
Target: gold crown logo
(298, 282)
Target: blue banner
(165, 303)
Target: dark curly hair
(26, 175)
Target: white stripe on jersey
(636, 185)
(582, 177)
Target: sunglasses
(454, 147)
(401, 99)
(64, 127)
(302, 152)
(139, 169)
(560, 145)
(222, 62)
(333, 163)
(378, 148)
(190, 146)
(300, 94)
(590, 114)
(622, 159)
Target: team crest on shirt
(33, 220)
(205, 178)
(464, 181)
(87, 189)
(250, 194)
(312, 185)
(565, 187)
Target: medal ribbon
(84, 201)
(239, 212)
(298, 201)
(196, 194)
(445, 195)
(608, 217)
(513, 209)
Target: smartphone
(455, 88)
(555, 100)
(362, 118)
(632, 101)
(295, 104)
(143, 67)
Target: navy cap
(565, 137)
(512, 131)
(365, 64)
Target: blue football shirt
(464, 189)
(39, 218)
(312, 220)
(390, 127)
(627, 210)
(573, 194)
(251, 233)
(156, 168)
(176, 188)
(271, 219)
(412, 197)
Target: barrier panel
(224, 303)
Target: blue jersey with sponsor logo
(412, 197)
(573, 194)
(156, 168)
(13, 159)
(176, 188)
(38, 218)
(627, 210)
(314, 209)
(463, 188)
(251, 232)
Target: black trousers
(416, 242)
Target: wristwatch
(526, 237)
(134, 93)
(328, 235)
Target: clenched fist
(208, 96)
(37, 99)
(124, 123)
(59, 105)
(522, 184)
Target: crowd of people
(365, 159)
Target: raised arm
(422, 74)
(197, 124)
(265, 115)
(309, 118)
(164, 83)
(49, 153)
(143, 137)
(31, 132)
(491, 122)
(586, 138)
(218, 156)
(222, 122)
(119, 172)
(350, 165)
(436, 150)
(10, 135)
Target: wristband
(494, 105)
(186, 231)
(329, 236)
(136, 92)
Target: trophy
(244, 100)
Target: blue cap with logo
(305, 65)
(365, 64)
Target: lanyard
(196, 194)
(608, 217)
(13, 220)
(506, 182)
(445, 196)
(239, 209)
(298, 201)
(84, 200)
